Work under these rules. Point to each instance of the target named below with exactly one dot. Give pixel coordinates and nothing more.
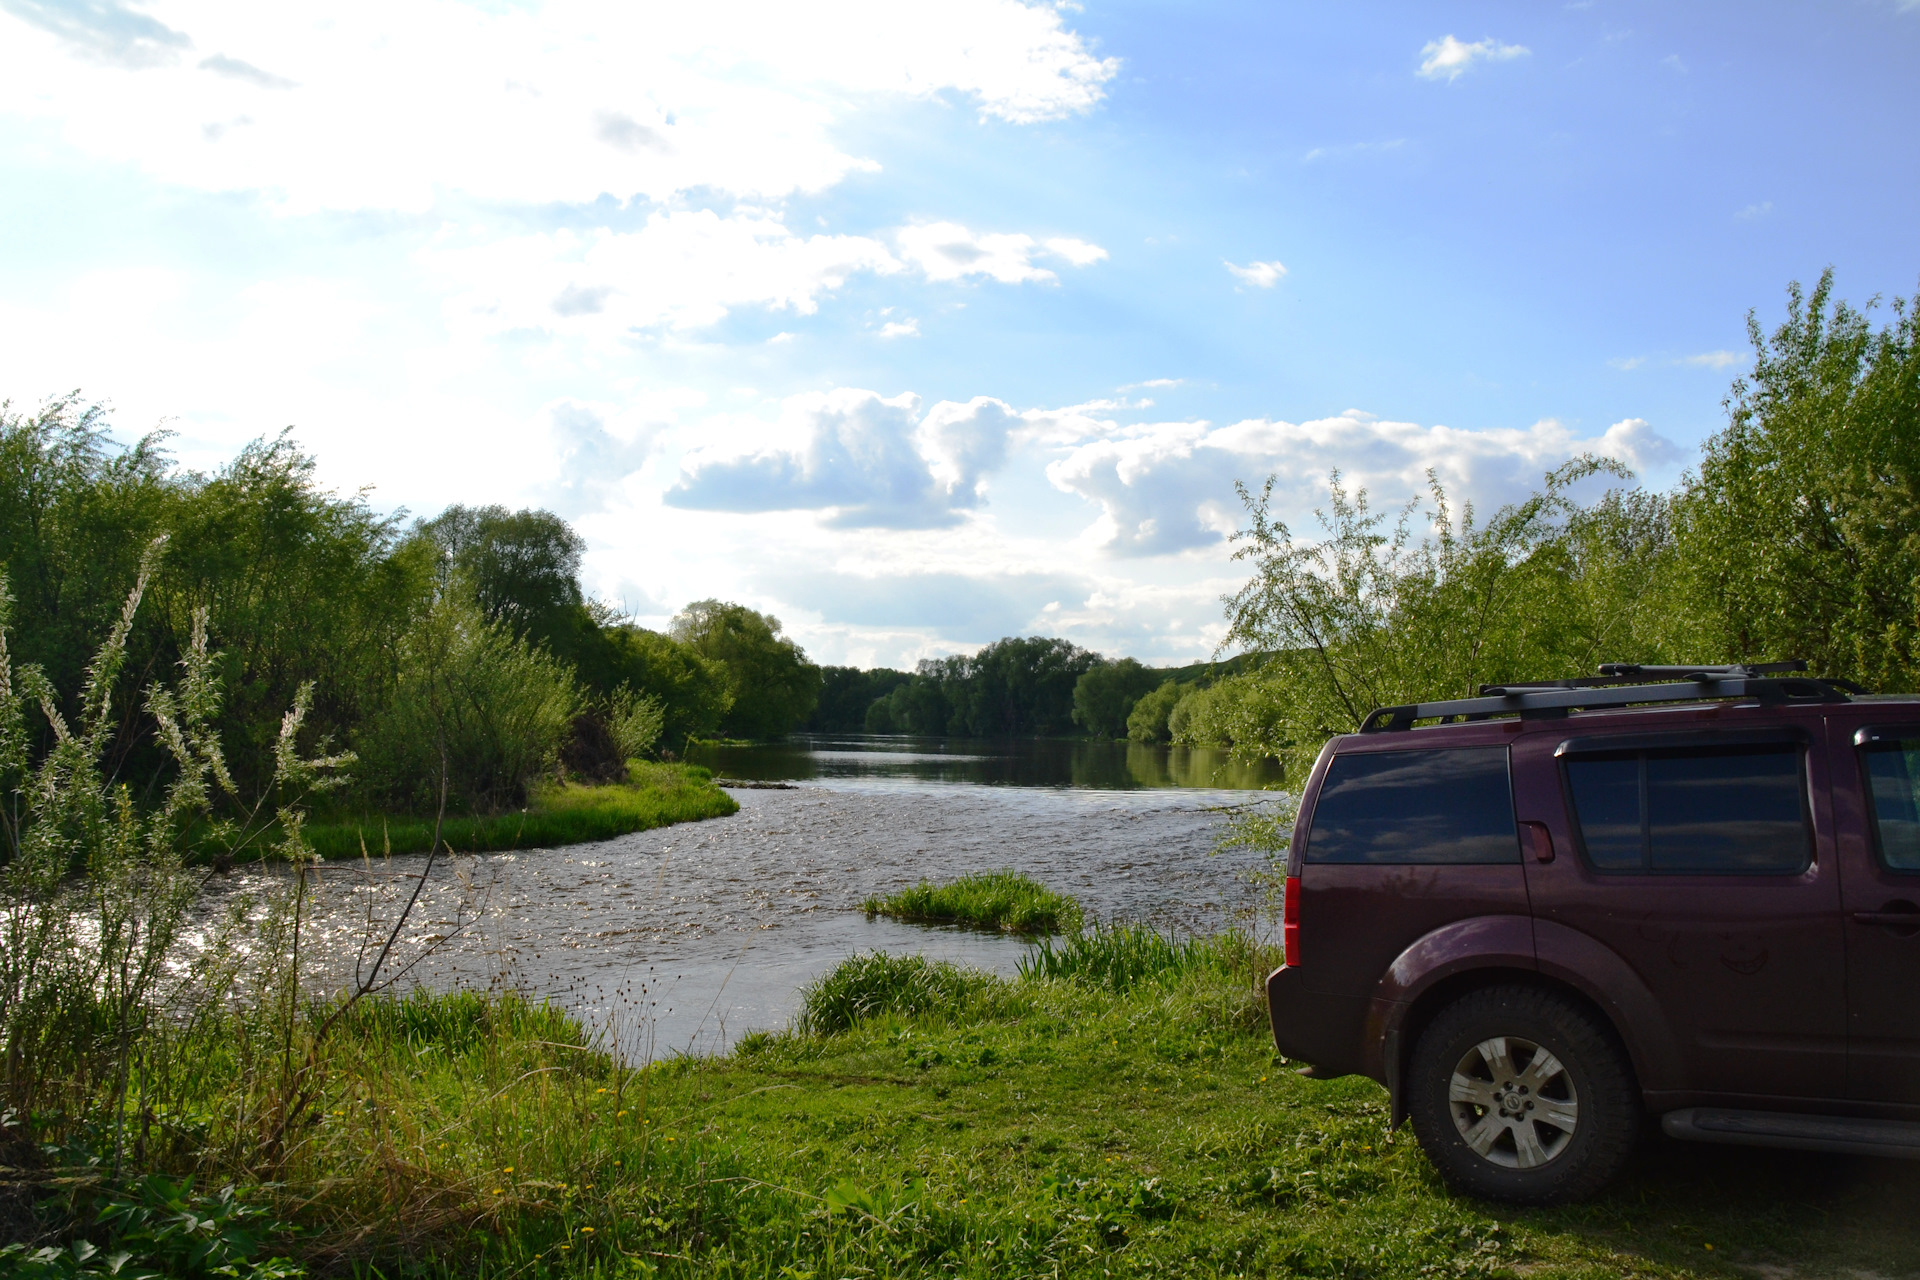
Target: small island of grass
(1003, 900)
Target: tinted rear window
(1415, 806)
(1719, 810)
(1893, 774)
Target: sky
(921, 324)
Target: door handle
(1901, 916)
(1539, 840)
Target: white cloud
(680, 270)
(1714, 359)
(1763, 208)
(867, 460)
(1447, 58)
(908, 328)
(1077, 252)
(1168, 487)
(1261, 275)
(382, 104)
(1627, 363)
(949, 251)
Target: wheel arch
(1415, 1016)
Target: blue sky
(923, 324)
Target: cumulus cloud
(382, 104)
(681, 269)
(597, 445)
(949, 251)
(102, 31)
(1168, 487)
(1261, 275)
(1077, 252)
(691, 267)
(862, 459)
(1447, 58)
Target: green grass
(988, 900)
(657, 796)
(1120, 957)
(948, 1123)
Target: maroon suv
(1557, 908)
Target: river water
(682, 939)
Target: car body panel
(1727, 990)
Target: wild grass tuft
(865, 986)
(1003, 900)
(1115, 958)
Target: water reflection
(1022, 762)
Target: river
(682, 939)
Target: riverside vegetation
(175, 1102)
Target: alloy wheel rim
(1513, 1102)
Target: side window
(1891, 761)
(1693, 810)
(1415, 806)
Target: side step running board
(1800, 1133)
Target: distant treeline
(1016, 687)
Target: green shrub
(636, 721)
(865, 986)
(986, 900)
(490, 709)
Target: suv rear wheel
(1519, 1094)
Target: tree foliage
(1798, 538)
(1802, 530)
(1105, 694)
(772, 685)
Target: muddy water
(680, 940)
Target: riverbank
(656, 795)
(1120, 1120)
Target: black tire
(1547, 1109)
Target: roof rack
(1620, 684)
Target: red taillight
(1290, 922)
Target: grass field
(1035, 1127)
(1003, 900)
(656, 796)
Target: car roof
(1704, 714)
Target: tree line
(1797, 536)
(463, 641)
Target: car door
(1703, 858)
(1876, 796)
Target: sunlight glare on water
(684, 938)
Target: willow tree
(1801, 533)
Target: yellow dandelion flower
(586, 1231)
(508, 1169)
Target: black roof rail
(1621, 684)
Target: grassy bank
(934, 1121)
(656, 796)
(989, 900)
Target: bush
(866, 986)
(489, 709)
(636, 721)
(987, 900)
